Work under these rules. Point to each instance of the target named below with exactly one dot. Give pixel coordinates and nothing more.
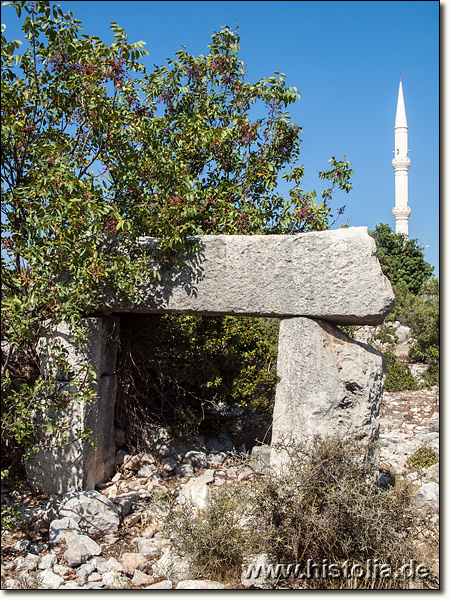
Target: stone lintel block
(332, 275)
(77, 466)
(329, 385)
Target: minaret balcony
(401, 163)
(401, 212)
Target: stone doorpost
(329, 385)
(76, 465)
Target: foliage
(422, 458)
(97, 152)
(328, 506)
(179, 370)
(213, 538)
(398, 376)
(422, 315)
(401, 260)
(416, 299)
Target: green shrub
(420, 312)
(214, 538)
(422, 458)
(329, 506)
(398, 376)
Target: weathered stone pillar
(329, 385)
(76, 465)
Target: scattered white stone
(161, 585)
(12, 584)
(132, 561)
(427, 496)
(80, 548)
(146, 471)
(94, 512)
(199, 584)
(95, 585)
(48, 561)
(108, 578)
(50, 580)
(60, 570)
(172, 566)
(196, 490)
(28, 562)
(141, 578)
(100, 564)
(86, 569)
(22, 545)
(124, 502)
(114, 565)
(214, 460)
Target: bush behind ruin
(328, 506)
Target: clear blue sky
(345, 59)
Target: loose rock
(199, 584)
(80, 548)
(94, 512)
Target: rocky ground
(115, 537)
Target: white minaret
(401, 162)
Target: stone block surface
(329, 385)
(332, 275)
(76, 466)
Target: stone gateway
(312, 281)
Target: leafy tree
(97, 151)
(416, 301)
(401, 260)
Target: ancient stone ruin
(329, 383)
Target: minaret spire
(401, 163)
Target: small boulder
(141, 578)
(185, 471)
(80, 548)
(28, 562)
(427, 496)
(132, 561)
(172, 566)
(169, 465)
(124, 502)
(94, 512)
(214, 460)
(196, 489)
(47, 561)
(161, 585)
(196, 459)
(49, 580)
(108, 579)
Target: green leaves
(97, 152)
